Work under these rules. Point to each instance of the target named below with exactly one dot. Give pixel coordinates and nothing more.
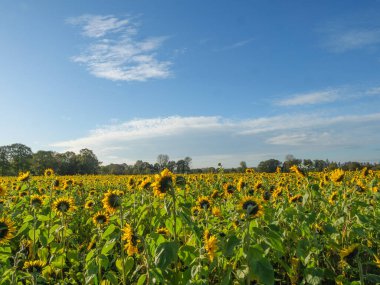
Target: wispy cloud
(344, 35)
(345, 93)
(235, 45)
(215, 136)
(311, 98)
(114, 52)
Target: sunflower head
(3, 190)
(34, 266)
(195, 211)
(229, 189)
(23, 176)
(297, 170)
(112, 200)
(203, 203)
(163, 183)
(163, 231)
(63, 206)
(249, 170)
(296, 199)
(337, 175)
(48, 172)
(350, 252)
(210, 242)
(333, 197)
(101, 219)
(36, 201)
(89, 204)
(7, 230)
(251, 207)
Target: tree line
(18, 157)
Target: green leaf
(232, 242)
(108, 246)
(28, 218)
(90, 255)
(141, 280)
(108, 231)
(112, 277)
(22, 229)
(42, 218)
(43, 254)
(59, 261)
(166, 253)
(260, 267)
(128, 264)
(34, 234)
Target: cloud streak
(208, 136)
(114, 53)
(312, 98)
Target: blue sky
(219, 81)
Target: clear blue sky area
(219, 81)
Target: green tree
(269, 165)
(42, 160)
(88, 163)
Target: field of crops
(249, 228)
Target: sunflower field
(248, 228)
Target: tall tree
(42, 160)
(20, 157)
(269, 165)
(163, 160)
(88, 163)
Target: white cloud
(114, 52)
(319, 97)
(235, 45)
(373, 91)
(341, 40)
(207, 137)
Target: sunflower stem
(122, 244)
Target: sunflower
(34, 266)
(203, 203)
(101, 219)
(216, 212)
(89, 204)
(7, 230)
(377, 261)
(63, 206)
(36, 201)
(195, 211)
(145, 184)
(23, 176)
(92, 244)
(215, 194)
(48, 172)
(3, 191)
(249, 170)
(112, 200)
(333, 197)
(229, 189)
(251, 207)
(211, 246)
(337, 175)
(296, 198)
(241, 184)
(163, 231)
(26, 247)
(297, 170)
(163, 183)
(130, 239)
(349, 252)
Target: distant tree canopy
(18, 157)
